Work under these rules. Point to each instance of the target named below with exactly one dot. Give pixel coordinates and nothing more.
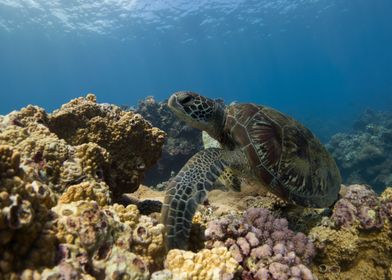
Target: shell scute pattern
(283, 154)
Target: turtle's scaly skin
(186, 191)
(257, 142)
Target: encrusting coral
(359, 205)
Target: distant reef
(365, 154)
(64, 177)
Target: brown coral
(125, 135)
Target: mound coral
(263, 244)
(124, 135)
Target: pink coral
(359, 205)
(263, 244)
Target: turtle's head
(198, 111)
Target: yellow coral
(216, 263)
(94, 160)
(386, 195)
(91, 191)
(128, 215)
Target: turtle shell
(284, 155)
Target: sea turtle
(256, 142)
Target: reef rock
(365, 154)
(182, 141)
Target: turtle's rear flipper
(188, 189)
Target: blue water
(321, 61)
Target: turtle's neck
(218, 130)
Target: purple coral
(359, 205)
(264, 245)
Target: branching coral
(263, 244)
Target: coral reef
(59, 175)
(82, 141)
(63, 174)
(216, 263)
(24, 211)
(365, 155)
(182, 141)
(356, 239)
(110, 238)
(263, 245)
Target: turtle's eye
(186, 100)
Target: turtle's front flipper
(186, 191)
